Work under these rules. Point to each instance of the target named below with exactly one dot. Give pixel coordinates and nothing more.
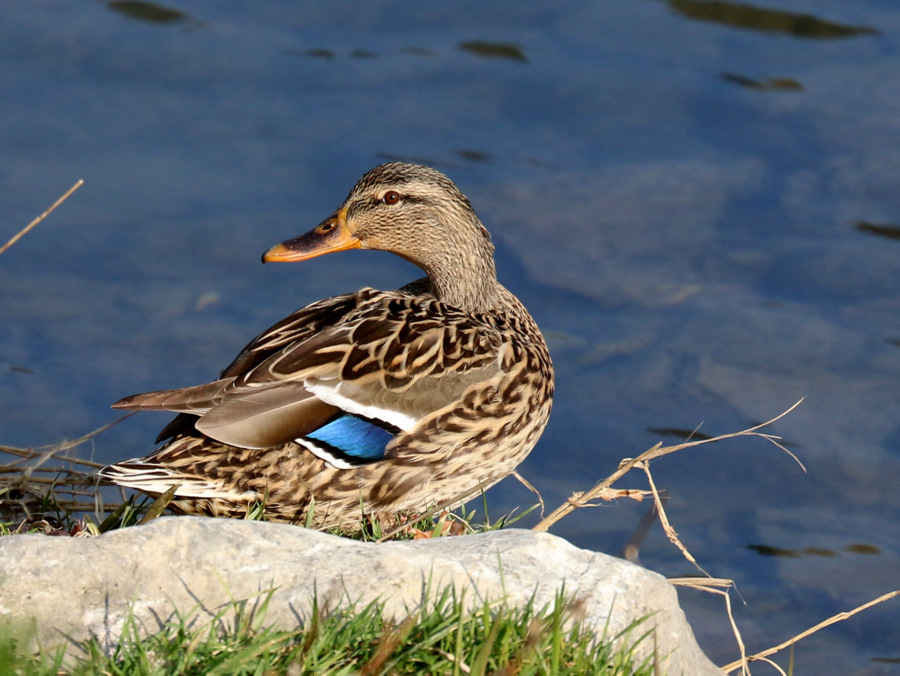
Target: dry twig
(721, 586)
(598, 491)
(834, 619)
(522, 480)
(27, 480)
(40, 218)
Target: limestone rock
(74, 588)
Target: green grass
(444, 639)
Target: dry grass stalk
(522, 480)
(721, 586)
(604, 491)
(664, 519)
(35, 473)
(834, 619)
(40, 218)
(602, 488)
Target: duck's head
(416, 213)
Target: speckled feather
(452, 364)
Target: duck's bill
(329, 236)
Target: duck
(373, 404)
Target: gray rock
(75, 588)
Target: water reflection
(685, 435)
(888, 231)
(473, 155)
(151, 12)
(867, 550)
(494, 50)
(480, 48)
(317, 53)
(768, 20)
(855, 548)
(768, 550)
(769, 84)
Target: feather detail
(198, 399)
(155, 479)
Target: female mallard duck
(394, 400)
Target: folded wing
(343, 378)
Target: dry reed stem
(40, 218)
(707, 584)
(45, 453)
(718, 585)
(772, 664)
(583, 500)
(834, 619)
(522, 480)
(23, 489)
(664, 520)
(603, 490)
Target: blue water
(698, 202)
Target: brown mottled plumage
(394, 400)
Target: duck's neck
(461, 266)
(467, 282)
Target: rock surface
(79, 587)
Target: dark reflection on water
(494, 50)
(888, 231)
(473, 155)
(860, 548)
(768, 550)
(151, 12)
(686, 435)
(769, 84)
(479, 48)
(318, 53)
(329, 54)
(769, 20)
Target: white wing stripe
(330, 395)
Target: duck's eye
(391, 197)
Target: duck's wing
(388, 364)
(346, 382)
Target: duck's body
(376, 401)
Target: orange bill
(329, 236)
